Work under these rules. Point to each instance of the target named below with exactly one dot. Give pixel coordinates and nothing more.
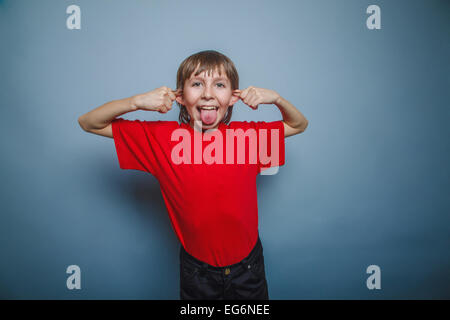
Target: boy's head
(207, 79)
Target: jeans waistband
(256, 251)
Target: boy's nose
(207, 92)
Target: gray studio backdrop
(366, 184)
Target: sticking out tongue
(208, 116)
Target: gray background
(366, 183)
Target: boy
(209, 188)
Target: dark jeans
(243, 280)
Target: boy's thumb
(178, 92)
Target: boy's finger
(168, 104)
(162, 109)
(172, 95)
(178, 92)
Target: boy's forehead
(215, 77)
(210, 74)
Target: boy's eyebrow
(216, 78)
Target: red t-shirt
(210, 197)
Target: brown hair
(208, 60)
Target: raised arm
(98, 121)
(294, 121)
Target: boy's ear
(233, 99)
(180, 100)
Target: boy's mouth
(208, 113)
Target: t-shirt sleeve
(135, 144)
(271, 150)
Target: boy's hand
(160, 99)
(253, 96)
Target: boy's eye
(195, 84)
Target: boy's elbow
(303, 127)
(81, 123)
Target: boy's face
(207, 98)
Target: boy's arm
(98, 121)
(294, 121)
